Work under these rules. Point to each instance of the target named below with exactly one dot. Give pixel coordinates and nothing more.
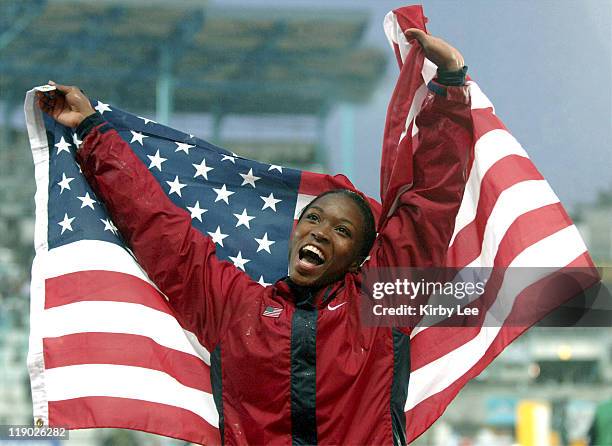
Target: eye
(312, 217)
(344, 231)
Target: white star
(63, 146)
(175, 186)
(275, 167)
(239, 262)
(137, 136)
(244, 219)
(228, 158)
(196, 211)
(270, 202)
(65, 183)
(147, 120)
(223, 194)
(156, 161)
(264, 243)
(102, 107)
(182, 147)
(202, 169)
(109, 226)
(217, 236)
(249, 178)
(262, 282)
(76, 141)
(87, 201)
(66, 223)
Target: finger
(415, 33)
(63, 88)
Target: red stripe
(398, 55)
(126, 349)
(504, 174)
(529, 228)
(316, 183)
(161, 419)
(420, 417)
(102, 286)
(484, 121)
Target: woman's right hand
(67, 105)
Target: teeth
(315, 251)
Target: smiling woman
(334, 235)
(293, 363)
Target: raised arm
(419, 227)
(203, 291)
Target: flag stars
(66, 223)
(147, 120)
(175, 186)
(223, 194)
(65, 183)
(217, 236)
(202, 169)
(76, 141)
(109, 226)
(244, 219)
(238, 261)
(249, 178)
(196, 211)
(275, 167)
(156, 161)
(137, 136)
(86, 200)
(229, 158)
(262, 282)
(63, 146)
(270, 202)
(264, 243)
(182, 147)
(102, 107)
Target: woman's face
(326, 242)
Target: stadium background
(306, 83)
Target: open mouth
(312, 255)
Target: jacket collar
(308, 297)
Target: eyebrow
(344, 220)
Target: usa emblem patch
(272, 311)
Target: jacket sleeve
(418, 227)
(203, 291)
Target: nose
(319, 235)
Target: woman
(293, 363)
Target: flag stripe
(120, 317)
(453, 365)
(493, 147)
(129, 350)
(511, 204)
(102, 286)
(532, 227)
(87, 255)
(504, 175)
(421, 415)
(128, 382)
(101, 411)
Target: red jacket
(315, 374)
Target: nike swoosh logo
(329, 307)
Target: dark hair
(369, 230)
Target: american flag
(105, 348)
(509, 217)
(107, 351)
